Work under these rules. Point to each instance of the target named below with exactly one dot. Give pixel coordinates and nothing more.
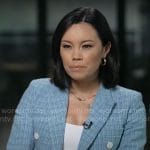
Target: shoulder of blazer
(44, 85)
(126, 96)
(125, 91)
(39, 93)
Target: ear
(107, 48)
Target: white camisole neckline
(72, 136)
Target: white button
(109, 145)
(36, 135)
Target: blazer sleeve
(21, 136)
(134, 136)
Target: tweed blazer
(117, 115)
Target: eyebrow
(82, 41)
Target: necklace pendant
(80, 99)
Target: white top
(72, 136)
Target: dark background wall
(26, 28)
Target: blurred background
(26, 29)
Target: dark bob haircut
(108, 74)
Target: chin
(79, 78)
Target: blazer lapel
(58, 106)
(99, 114)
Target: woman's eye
(87, 46)
(66, 46)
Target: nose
(77, 55)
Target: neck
(85, 86)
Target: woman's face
(81, 51)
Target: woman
(81, 107)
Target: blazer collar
(98, 116)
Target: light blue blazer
(118, 117)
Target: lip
(75, 68)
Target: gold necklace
(82, 99)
